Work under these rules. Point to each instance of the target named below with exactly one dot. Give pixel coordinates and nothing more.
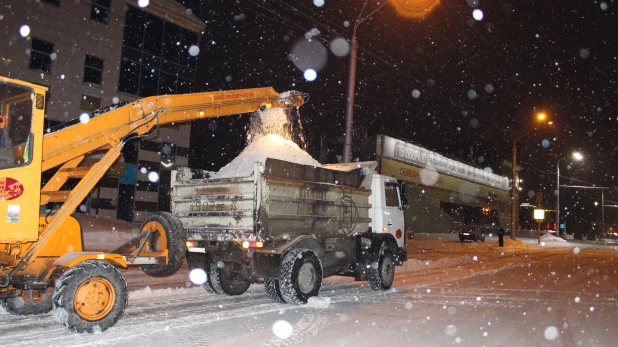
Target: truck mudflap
(401, 257)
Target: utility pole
(347, 146)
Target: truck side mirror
(402, 195)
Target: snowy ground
(448, 293)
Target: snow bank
(268, 146)
(509, 242)
(552, 238)
(415, 264)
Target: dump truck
(290, 225)
(44, 262)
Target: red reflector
(398, 233)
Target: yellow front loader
(43, 265)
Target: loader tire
(30, 302)
(169, 234)
(273, 290)
(301, 276)
(382, 278)
(90, 297)
(221, 280)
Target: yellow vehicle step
(76, 172)
(56, 196)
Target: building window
(52, 2)
(93, 71)
(41, 55)
(155, 58)
(90, 103)
(100, 10)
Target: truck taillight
(252, 244)
(191, 244)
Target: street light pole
(515, 186)
(577, 156)
(514, 194)
(347, 146)
(558, 198)
(349, 117)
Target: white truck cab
(387, 204)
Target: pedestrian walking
(501, 237)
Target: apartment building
(96, 53)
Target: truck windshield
(15, 125)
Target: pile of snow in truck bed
(268, 146)
(269, 135)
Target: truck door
(20, 173)
(393, 212)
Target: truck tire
(382, 278)
(30, 302)
(91, 297)
(222, 281)
(273, 290)
(301, 276)
(168, 234)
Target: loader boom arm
(141, 116)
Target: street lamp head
(578, 156)
(540, 116)
(414, 8)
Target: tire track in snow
(309, 325)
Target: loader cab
(387, 201)
(21, 136)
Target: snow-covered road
(448, 293)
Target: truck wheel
(91, 296)
(273, 290)
(30, 302)
(382, 278)
(222, 281)
(301, 276)
(169, 235)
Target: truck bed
(280, 201)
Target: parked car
(472, 233)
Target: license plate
(466, 233)
(197, 249)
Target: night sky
(445, 82)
